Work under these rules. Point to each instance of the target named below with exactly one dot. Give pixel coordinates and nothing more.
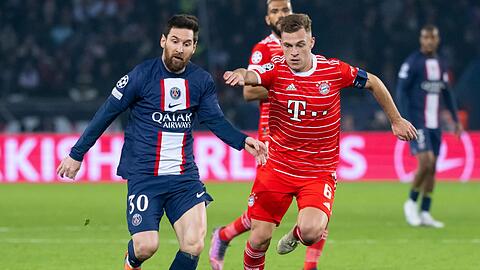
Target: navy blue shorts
(428, 140)
(147, 201)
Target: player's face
(178, 47)
(429, 41)
(275, 11)
(297, 48)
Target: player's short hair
(182, 21)
(294, 22)
(429, 28)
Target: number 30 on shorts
(327, 192)
(141, 203)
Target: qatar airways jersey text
(305, 114)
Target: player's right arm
(123, 95)
(404, 84)
(260, 76)
(260, 56)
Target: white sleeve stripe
(117, 94)
(252, 67)
(258, 76)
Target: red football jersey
(305, 115)
(262, 54)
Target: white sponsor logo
(291, 87)
(200, 194)
(122, 82)
(173, 119)
(296, 110)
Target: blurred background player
(421, 80)
(304, 93)
(165, 96)
(262, 54)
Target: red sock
(253, 259)
(298, 235)
(239, 226)
(314, 252)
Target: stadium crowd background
(60, 59)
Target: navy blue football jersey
(421, 80)
(163, 107)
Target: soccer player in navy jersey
(422, 78)
(165, 96)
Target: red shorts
(272, 194)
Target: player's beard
(275, 29)
(175, 62)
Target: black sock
(132, 260)
(184, 261)
(414, 194)
(426, 202)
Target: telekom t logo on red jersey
(296, 110)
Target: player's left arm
(401, 128)
(451, 104)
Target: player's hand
(257, 149)
(233, 78)
(458, 129)
(69, 167)
(404, 130)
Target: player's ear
(312, 42)
(267, 20)
(163, 41)
(194, 46)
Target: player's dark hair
(294, 22)
(182, 21)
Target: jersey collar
(308, 72)
(274, 38)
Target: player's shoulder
(323, 60)
(414, 57)
(147, 67)
(196, 72)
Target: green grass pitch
(42, 227)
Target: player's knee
(260, 239)
(193, 245)
(311, 233)
(146, 248)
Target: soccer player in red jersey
(262, 53)
(304, 122)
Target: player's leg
(144, 211)
(266, 210)
(311, 223)
(186, 211)
(257, 244)
(141, 247)
(222, 236)
(313, 253)
(427, 191)
(190, 230)
(315, 200)
(422, 150)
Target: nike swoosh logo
(200, 194)
(174, 105)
